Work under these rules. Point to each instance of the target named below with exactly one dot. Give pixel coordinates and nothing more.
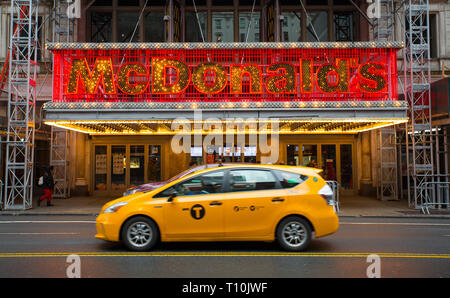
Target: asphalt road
(39, 246)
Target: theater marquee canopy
(137, 88)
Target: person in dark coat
(48, 186)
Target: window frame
(227, 180)
(279, 178)
(156, 196)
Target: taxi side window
(248, 180)
(289, 179)
(200, 185)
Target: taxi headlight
(115, 207)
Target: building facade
(117, 141)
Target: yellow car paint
(241, 216)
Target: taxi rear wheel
(140, 233)
(294, 233)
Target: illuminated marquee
(226, 74)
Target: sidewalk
(352, 206)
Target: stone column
(78, 164)
(366, 188)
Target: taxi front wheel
(294, 233)
(140, 233)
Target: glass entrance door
(101, 165)
(137, 165)
(292, 155)
(329, 162)
(118, 167)
(154, 163)
(346, 166)
(309, 156)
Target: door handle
(215, 203)
(278, 200)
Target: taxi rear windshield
(289, 179)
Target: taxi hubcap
(139, 234)
(294, 234)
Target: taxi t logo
(197, 211)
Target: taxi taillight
(327, 193)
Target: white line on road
(341, 223)
(39, 233)
(46, 221)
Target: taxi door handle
(277, 200)
(215, 203)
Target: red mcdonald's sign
(224, 72)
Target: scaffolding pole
(417, 79)
(21, 105)
(383, 30)
(63, 31)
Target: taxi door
(196, 212)
(254, 200)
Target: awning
(168, 118)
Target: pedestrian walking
(48, 185)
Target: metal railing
(433, 195)
(335, 188)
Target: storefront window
(228, 153)
(100, 168)
(222, 27)
(154, 27)
(237, 154)
(250, 154)
(137, 161)
(154, 163)
(196, 155)
(118, 167)
(318, 26)
(213, 153)
(252, 29)
(346, 166)
(291, 27)
(292, 155)
(329, 162)
(309, 156)
(193, 33)
(126, 23)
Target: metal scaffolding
(21, 105)
(383, 30)
(63, 31)
(419, 134)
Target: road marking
(231, 254)
(341, 223)
(46, 221)
(39, 233)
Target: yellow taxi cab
(286, 204)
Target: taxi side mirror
(172, 196)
